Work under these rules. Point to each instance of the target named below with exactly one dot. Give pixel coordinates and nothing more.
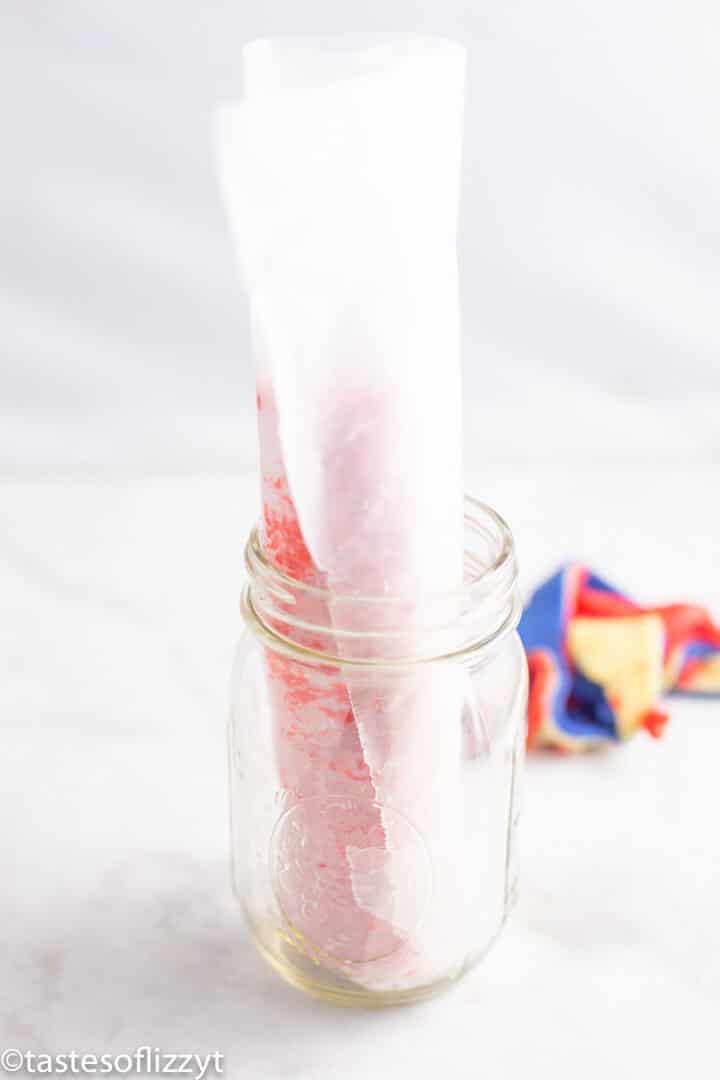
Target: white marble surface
(119, 612)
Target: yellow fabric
(707, 680)
(625, 656)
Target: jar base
(299, 972)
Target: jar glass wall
(376, 754)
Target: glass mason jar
(374, 774)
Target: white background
(590, 227)
(590, 252)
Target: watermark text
(145, 1060)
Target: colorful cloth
(599, 663)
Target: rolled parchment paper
(340, 172)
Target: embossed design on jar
(352, 878)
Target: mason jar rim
(476, 614)
(258, 564)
